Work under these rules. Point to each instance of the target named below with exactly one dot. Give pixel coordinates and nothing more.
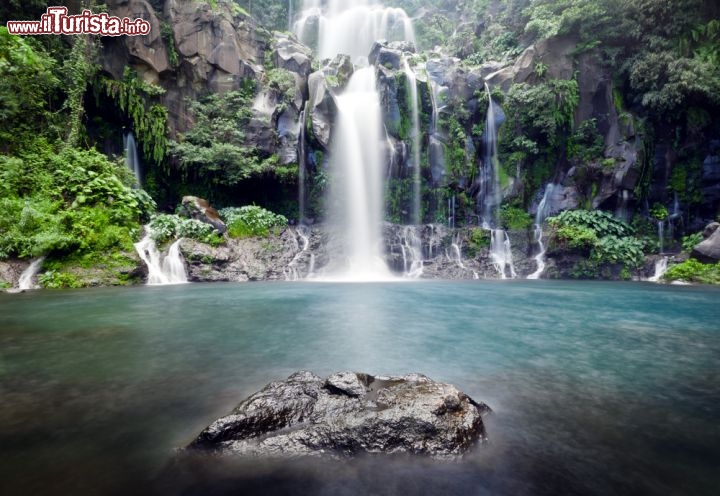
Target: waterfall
(543, 211)
(661, 266)
(621, 211)
(415, 213)
(302, 171)
(351, 28)
(27, 278)
(501, 253)
(356, 183)
(661, 235)
(132, 161)
(489, 198)
(291, 273)
(411, 246)
(291, 15)
(161, 270)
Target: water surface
(597, 388)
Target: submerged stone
(349, 414)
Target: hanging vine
(133, 96)
(79, 68)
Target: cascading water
(291, 15)
(621, 212)
(411, 247)
(501, 253)
(489, 197)
(415, 214)
(543, 211)
(351, 28)
(27, 278)
(661, 235)
(356, 164)
(292, 273)
(302, 168)
(161, 270)
(661, 266)
(356, 177)
(132, 160)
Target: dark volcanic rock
(349, 414)
(708, 251)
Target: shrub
(694, 271)
(609, 240)
(602, 223)
(577, 237)
(515, 218)
(53, 279)
(612, 249)
(691, 241)
(166, 227)
(477, 240)
(251, 220)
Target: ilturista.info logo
(57, 21)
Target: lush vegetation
(693, 271)
(604, 239)
(167, 227)
(251, 220)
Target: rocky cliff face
(193, 49)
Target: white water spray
(543, 211)
(501, 253)
(415, 214)
(661, 266)
(28, 277)
(351, 28)
(169, 269)
(356, 181)
(292, 273)
(489, 198)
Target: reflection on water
(597, 388)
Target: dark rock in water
(200, 209)
(349, 414)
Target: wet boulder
(349, 414)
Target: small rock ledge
(349, 414)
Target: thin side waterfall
(415, 213)
(489, 198)
(292, 273)
(501, 253)
(621, 212)
(661, 235)
(169, 269)
(436, 148)
(302, 189)
(411, 246)
(132, 160)
(291, 16)
(356, 181)
(543, 212)
(661, 266)
(351, 28)
(28, 277)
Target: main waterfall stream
(597, 388)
